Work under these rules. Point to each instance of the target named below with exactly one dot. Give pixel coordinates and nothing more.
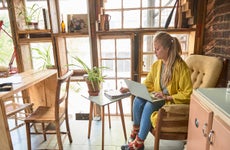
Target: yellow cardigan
(180, 87)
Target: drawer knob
(196, 122)
(204, 129)
(210, 137)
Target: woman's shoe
(137, 144)
(134, 133)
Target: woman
(169, 78)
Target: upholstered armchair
(172, 121)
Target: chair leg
(28, 136)
(59, 140)
(67, 128)
(43, 131)
(156, 143)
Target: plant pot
(32, 25)
(93, 90)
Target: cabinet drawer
(200, 123)
(219, 135)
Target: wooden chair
(17, 111)
(172, 120)
(53, 116)
(14, 109)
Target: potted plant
(30, 15)
(44, 56)
(93, 78)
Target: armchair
(172, 120)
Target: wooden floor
(114, 137)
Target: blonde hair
(174, 52)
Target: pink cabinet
(209, 120)
(219, 136)
(200, 123)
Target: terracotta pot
(93, 91)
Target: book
(5, 87)
(112, 94)
(46, 18)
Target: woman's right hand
(124, 90)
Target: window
(149, 52)
(116, 53)
(6, 42)
(80, 47)
(139, 13)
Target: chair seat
(171, 135)
(13, 108)
(43, 114)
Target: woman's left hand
(159, 94)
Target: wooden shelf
(26, 36)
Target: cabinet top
(216, 96)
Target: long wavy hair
(174, 52)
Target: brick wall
(217, 32)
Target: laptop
(139, 90)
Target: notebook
(112, 94)
(141, 91)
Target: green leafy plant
(43, 55)
(30, 14)
(94, 74)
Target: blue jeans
(142, 110)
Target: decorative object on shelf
(105, 18)
(46, 18)
(93, 78)
(30, 15)
(62, 25)
(77, 22)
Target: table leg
(109, 117)
(90, 118)
(122, 118)
(5, 138)
(102, 126)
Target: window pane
(132, 19)
(168, 2)
(165, 14)
(112, 4)
(148, 43)
(123, 48)
(133, 4)
(6, 43)
(108, 48)
(42, 55)
(115, 22)
(149, 53)
(123, 68)
(150, 3)
(110, 73)
(183, 38)
(148, 60)
(78, 46)
(150, 18)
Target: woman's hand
(124, 90)
(159, 94)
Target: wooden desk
(35, 85)
(103, 101)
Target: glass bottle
(62, 25)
